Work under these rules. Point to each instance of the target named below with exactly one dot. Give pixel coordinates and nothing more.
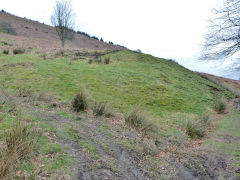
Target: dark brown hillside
(232, 82)
(28, 33)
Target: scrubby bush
(100, 109)
(6, 51)
(220, 105)
(107, 60)
(18, 51)
(81, 101)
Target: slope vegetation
(41, 137)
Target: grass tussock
(17, 147)
(220, 106)
(100, 109)
(136, 119)
(81, 101)
(197, 128)
(107, 60)
(6, 51)
(90, 61)
(18, 51)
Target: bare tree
(223, 38)
(62, 19)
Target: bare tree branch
(62, 19)
(223, 38)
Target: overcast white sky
(171, 29)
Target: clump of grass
(90, 61)
(107, 60)
(136, 119)
(43, 56)
(6, 51)
(197, 128)
(220, 105)
(18, 146)
(100, 109)
(18, 51)
(81, 101)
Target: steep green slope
(131, 79)
(170, 95)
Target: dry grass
(136, 119)
(197, 128)
(17, 146)
(100, 109)
(220, 106)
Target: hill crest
(28, 33)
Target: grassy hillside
(131, 79)
(38, 89)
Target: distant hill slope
(28, 33)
